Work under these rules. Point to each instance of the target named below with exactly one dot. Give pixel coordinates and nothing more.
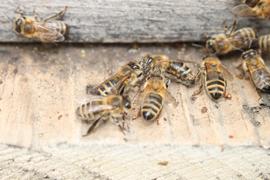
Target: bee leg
(158, 121)
(227, 95)
(243, 71)
(58, 16)
(121, 123)
(197, 92)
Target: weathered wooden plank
(113, 21)
(41, 86)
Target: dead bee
(212, 76)
(49, 30)
(175, 71)
(129, 75)
(253, 64)
(154, 94)
(231, 40)
(112, 107)
(253, 8)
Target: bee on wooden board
(154, 94)
(253, 8)
(231, 40)
(128, 76)
(175, 71)
(49, 30)
(111, 107)
(254, 66)
(212, 75)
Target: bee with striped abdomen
(49, 30)
(253, 8)
(97, 111)
(154, 94)
(212, 75)
(175, 71)
(263, 43)
(254, 65)
(129, 75)
(231, 40)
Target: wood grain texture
(112, 21)
(41, 86)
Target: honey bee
(129, 75)
(212, 76)
(154, 94)
(253, 8)
(232, 40)
(174, 70)
(49, 30)
(254, 65)
(112, 107)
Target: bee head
(18, 24)
(127, 102)
(210, 45)
(146, 63)
(249, 54)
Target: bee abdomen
(262, 80)
(152, 106)
(84, 113)
(264, 43)
(216, 88)
(247, 35)
(106, 88)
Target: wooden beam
(112, 21)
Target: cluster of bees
(152, 74)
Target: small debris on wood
(60, 116)
(163, 163)
(204, 110)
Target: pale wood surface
(132, 20)
(122, 161)
(41, 86)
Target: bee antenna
(197, 45)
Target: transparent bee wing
(46, 34)
(228, 75)
(243, 10)
(171, 99)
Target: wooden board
(111, 21)
(41, 86)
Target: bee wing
(227, 73)
(243, 10)
(93, 126)
(47, 34)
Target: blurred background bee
(154, 94)
(212, 75)
(49, 30)
(175, 71)
(253, 64)
(112, 107)
(231, 40)
(128, 76)
(253, 8)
